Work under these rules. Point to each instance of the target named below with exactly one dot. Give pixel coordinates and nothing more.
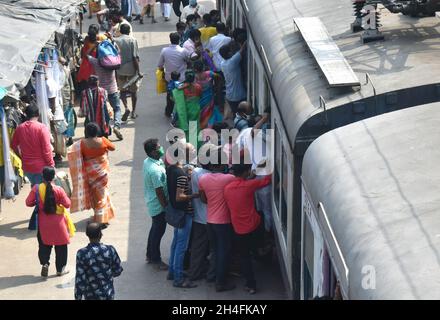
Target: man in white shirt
(193, 42)
(117, 21)
(216, 42)
(194, 8)
(173, 58)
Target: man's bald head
(245, 107)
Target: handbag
(175, 217)
(33, 222)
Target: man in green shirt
(155, 192)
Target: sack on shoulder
(175, 217)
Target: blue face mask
(192, 3)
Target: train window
(284, 194)
(250, 77)
(277, 176)
(267, 95)
(256, 81)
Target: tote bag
(175, 217)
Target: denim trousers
(115, 101)
(178, 249)
(34, 178)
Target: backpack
(108, 56)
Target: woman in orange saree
(90, 182)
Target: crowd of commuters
(223, 218)
(218, 209)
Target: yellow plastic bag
(161, 84)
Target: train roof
(378, 180)
(407, 58)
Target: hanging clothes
(42, 99)
(10, 177)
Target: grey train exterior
(404, 71)
(371, 208)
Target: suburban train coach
(370, 209)
(305, 61)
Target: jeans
(176, 6)
(34, 178)
(157, 231)
(44, 254)
(115, 101)
(263, 203)
(178, 249)
(220, 235)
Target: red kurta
(52, 227)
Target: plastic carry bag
(161, 84)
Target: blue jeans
(263, 203)
(34, 178)
(178, 249)
(115, 101)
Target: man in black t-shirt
(180, 197)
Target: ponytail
(50, 205)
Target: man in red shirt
(31, 141)
(240, 199)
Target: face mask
(161, 152)
(192, 3)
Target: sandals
(134, 115)
(185, 284)
(250, 290)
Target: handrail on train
(323, 104)
(345, 281)
(370, 81)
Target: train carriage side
(370, 208)
(283, 74)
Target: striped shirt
(107, 78)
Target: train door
(318, 276)
(282, 203)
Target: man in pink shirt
(211, 186)
(31, 141)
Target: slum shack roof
(28, 25)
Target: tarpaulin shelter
(27, 26)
